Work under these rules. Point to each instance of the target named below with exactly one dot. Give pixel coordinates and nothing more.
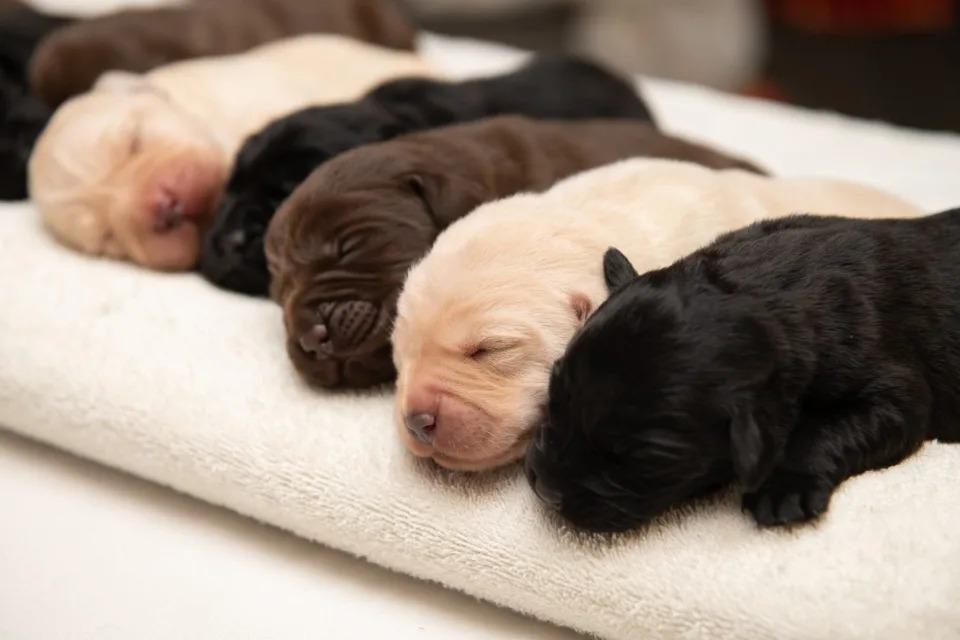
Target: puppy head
(122, 172)
(654, 402)
(269, 166)
(477, 330)
(338, 250)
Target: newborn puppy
(22, 116)
(133, 169)
(274, 161)
(341, 245)
(270, 165)
(790, 355)
(486, 313)
(70, 60)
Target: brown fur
(69, 61)
(340, 247)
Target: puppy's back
(654, 210)
(71, 60)
(242, 93)
(559, 87)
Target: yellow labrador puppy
(132, 169)
(484, 315)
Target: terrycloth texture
(170, 379)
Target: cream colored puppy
(133, 168)
(484, 315)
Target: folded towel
(173, 380)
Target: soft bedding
(168, 378)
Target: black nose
(235, 242)
(551, 497)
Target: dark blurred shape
(537, 26)
(894, 60)
(21, 28)
(72, 59)
(22, 116)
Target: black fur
(22, 116)
(275, 160)
(21, 29)
(789, 355)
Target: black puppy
(789, 355)
(274, 161)
(22, 116)
(21, 29)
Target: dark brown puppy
(70, 60)
(340, 247)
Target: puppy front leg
(877, 427)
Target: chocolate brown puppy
(340, 247)
(272, 163)
(70, 60)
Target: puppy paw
(788, 498)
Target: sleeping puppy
(22, 116)
(274, 161)
(790, 355)
(133, 169)
(269, 166)
(70, 60)
(486, 313)
(341, 245)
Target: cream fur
(511, 276)
(110, 158)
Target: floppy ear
(752, 445)
(447, 196)
(581, 306)
(617, 270)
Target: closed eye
(489, 347)
(476, 353)
(136, 140)
(350, 244)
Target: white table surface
(90, 553)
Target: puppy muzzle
(347, 344)
(235, 260)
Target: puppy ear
(447, 196)
(617, 270)
(581, 306)
(751, 450)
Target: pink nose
(422, 426)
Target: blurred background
(893, 60)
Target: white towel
(170, 379)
